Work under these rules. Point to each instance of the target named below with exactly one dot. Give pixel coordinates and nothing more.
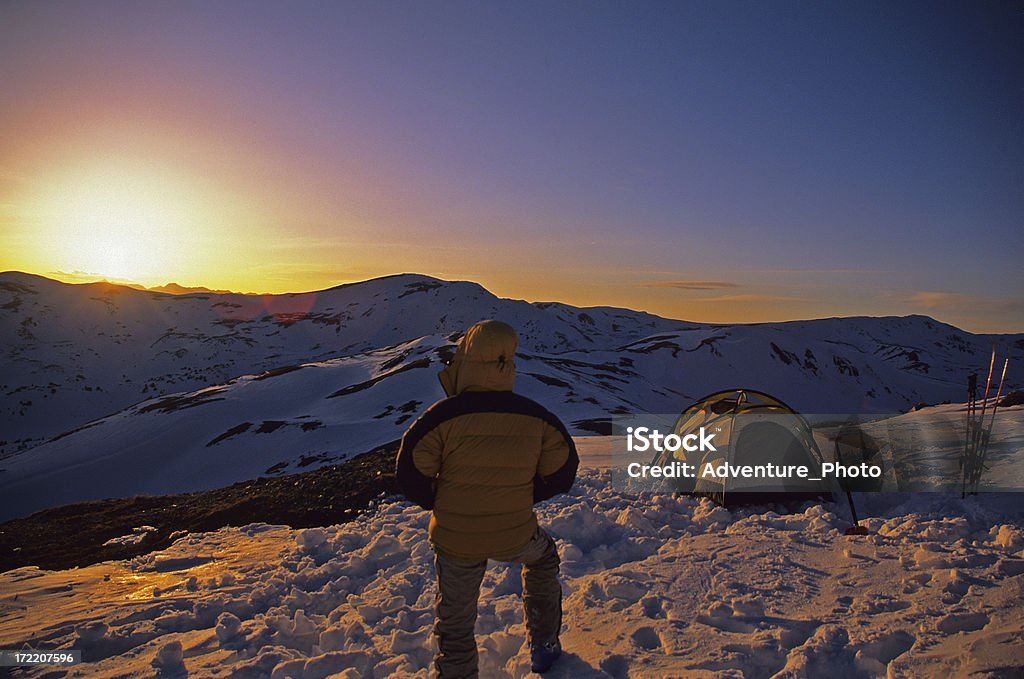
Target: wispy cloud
(750, 297)
(929, 299)
(88, 277)
(785, 270)
(937, 300)
(690, 285)
(725, 297)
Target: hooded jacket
(483, 456)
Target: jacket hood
(484, 360)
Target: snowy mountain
(73, 353)
(111, 391)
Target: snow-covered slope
(110, 391)
(655, 586)
(280, 422)
(73, 353)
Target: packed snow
(654, 585)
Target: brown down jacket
(483, 456)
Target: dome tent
(750, 428)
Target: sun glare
(121, 221)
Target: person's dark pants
(458, 591)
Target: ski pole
(976, 430)
(972, 396)
(986, 432)
(988, 384)
(999, 394)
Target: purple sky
(715, 161)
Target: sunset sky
(713, 161)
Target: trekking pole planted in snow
(999, 394)
(972, 402)
(977, 427)
(972, 399)
(986, 432)
(984, 400)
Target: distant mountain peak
(176, 289)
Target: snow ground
(655, 586)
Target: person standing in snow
(480, 459)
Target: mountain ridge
(202, 290)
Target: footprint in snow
(652, 607)
(873, 656)
(883, 604)
(963, 622)
(721, 616)
(646, 638)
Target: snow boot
(543, 656)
